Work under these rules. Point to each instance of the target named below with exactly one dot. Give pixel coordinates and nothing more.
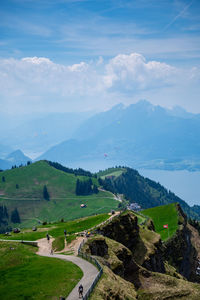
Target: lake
(184, 184)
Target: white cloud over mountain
(37, 83)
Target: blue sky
(74, 55)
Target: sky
(89, 55)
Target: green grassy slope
(57, 229)
(25, 275)
(111, 172)
(161, 215)
(64, 203)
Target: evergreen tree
(84, 187)
(45, 193)
(95, 189)
(15, 218)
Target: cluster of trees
(46, 193)
(4, 218)
(147, 193)
(77, 172)
(85, 187)
(15, 218)
(21, 165)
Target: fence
(92, 260)
(33, 243)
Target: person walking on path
(48, 237)
(80, 291)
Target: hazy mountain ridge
(16, 158)
(42, 131)
(138, 135)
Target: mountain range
(140, 135)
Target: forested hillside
(144, 191)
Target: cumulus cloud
(133, 72)
(40, 82)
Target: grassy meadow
(25, 275)
(63, 203)
(57, 229)
(162, 215)
(110, 172)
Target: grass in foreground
(24, 275)
(162, 215)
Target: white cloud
(133, 72)
(39, 84)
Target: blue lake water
(184, 184)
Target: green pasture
(57, 229)
(63, 203)
(111, 172)
(25, 275)
(162, 215)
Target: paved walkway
(89, 271)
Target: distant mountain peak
(17, 157)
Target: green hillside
(25, 275)
(162, 215)
(111, 172)
(57, 229)
(146, 192)
(22, 188)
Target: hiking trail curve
(89, 270)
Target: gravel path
(89, 271)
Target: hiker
(80, 290)
(51, 251)
(65, 232)
(48, 237)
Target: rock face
(99, 247)
(114, 255)
(155, 261)
(182, 251)
(135, 255)
(123, 229)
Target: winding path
(89, 271)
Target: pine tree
(45, 193)
(95, 189)
(15, 218)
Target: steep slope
(23, 188)
(136, 255)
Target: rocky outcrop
(183, 250)
(135, 255)
(114, 255)
(123, 229)
(126, 231)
